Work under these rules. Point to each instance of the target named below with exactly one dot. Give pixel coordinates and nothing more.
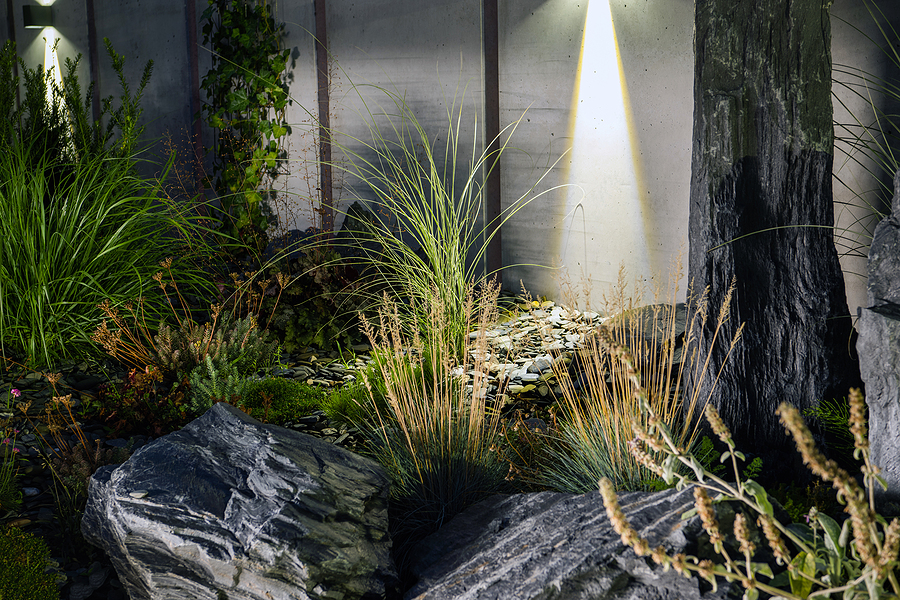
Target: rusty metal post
(493, 209)
(326, 198)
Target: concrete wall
(601, 91)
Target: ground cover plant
(857, 559)
(24, 560)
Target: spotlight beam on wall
(605, 205)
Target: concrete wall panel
(603, 85)
(427, 53)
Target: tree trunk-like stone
(762, 214)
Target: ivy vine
(247, 95)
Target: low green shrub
(211, 384)
(140, 403)
(23, 567)
(278, 400)
(225, 341)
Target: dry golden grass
(599, 407)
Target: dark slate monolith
(762, 214)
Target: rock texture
(231, 508)
(878, 346)
(761, 214)
(556, 546)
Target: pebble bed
(523, 352)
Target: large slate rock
(231, 508)
(762, 214)
(878, 346)
(551, 545)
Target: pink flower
(15, 392)
(6, 441)
(15, 450)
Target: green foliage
(24, 559)
(211, 383)
(316, 308)
(857, 559)
(833, 416)
(798, 500)
(360, 401)
(10, 496)
(77, 224)
(425, 233)
(140, 404)
(278, 400)
(227, 342)
(247, 95)
(710, 458)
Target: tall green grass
(424, 191)
(78, 225)
(72, 236)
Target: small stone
(138, 494)
(30, 492)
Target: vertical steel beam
(11, 34)
(190, 10)
(326, 198)
(93, 58)
(493, 209)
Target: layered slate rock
(551, 545)
(878, 346)
(231, 508)
(762, 215)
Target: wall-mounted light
(37, 17)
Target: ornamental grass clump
(436, 437)
(598, 408)
(78, 225)
(423, 233)
(853, 561)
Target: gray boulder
(878, 347)
(551, 545)
(231, 508)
